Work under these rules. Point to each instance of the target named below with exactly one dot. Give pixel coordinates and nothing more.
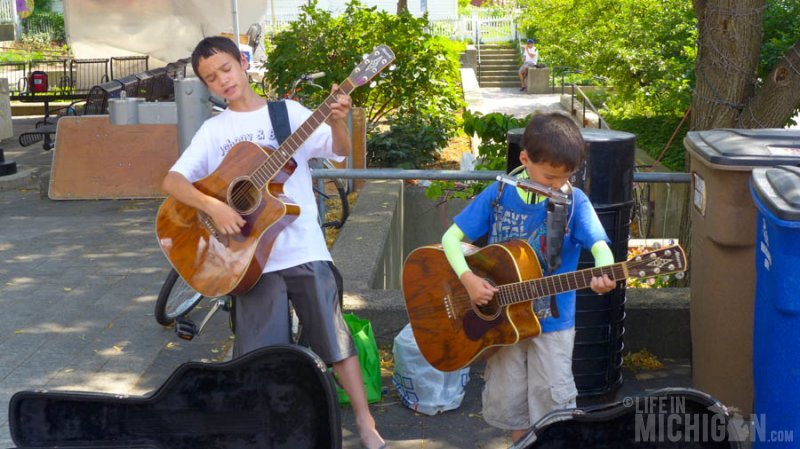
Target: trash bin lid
(745, 147)
(589, 135)
(605, 135)
(778, 189)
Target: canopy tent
(165, 30)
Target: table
(46, 98)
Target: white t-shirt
(302, 240)
(530, 57)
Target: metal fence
(483, 28)
(7, 11)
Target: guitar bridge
(450, 309)
(212, 229)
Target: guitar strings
(324, 110)
(273, 161)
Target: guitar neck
(552, 285)
(280, 157)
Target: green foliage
(492, 129)
(427, 67)
(652, 134)
(781, 31)
(44, 19)
(413, 140)
(646, 48)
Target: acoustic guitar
(250, 180)
(451, 332)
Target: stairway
(499, 65)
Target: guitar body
(449, 330)
(215, 264)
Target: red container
(37, 81)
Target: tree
(402, 5)
(731, 39)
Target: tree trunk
(402, 5)
(729, 45)
(778, 96)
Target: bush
(492, 129)
(413, 140)
(652, 134)
(426, 66)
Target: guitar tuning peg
(373, 84)
(392, 67)
(364, 56)
(383, 75)
(679, 275)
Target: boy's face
(225, 76)
(553, 176)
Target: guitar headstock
(667, 260)
(371, 65)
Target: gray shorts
(526, 65)
(528, 380)
(262, 314)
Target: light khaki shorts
(528, 380)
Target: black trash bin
(607, 178)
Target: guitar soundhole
(489, 311)
(243, 196)
(492, 309)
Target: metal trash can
(513, 148)
(776, 342)
(723, 227)
(607, 179)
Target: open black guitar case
(670, 418)
(275, 397)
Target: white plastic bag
(422, 387)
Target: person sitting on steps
(530, 58)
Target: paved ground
(78, 281)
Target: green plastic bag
(368, 358)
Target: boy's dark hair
(211, 46)
(554, 138)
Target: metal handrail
(459, 175)
(601, 124)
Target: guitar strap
(558, 216)
(279, 117)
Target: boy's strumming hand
(480, 290)
(227, 220)
(602, 284)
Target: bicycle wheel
(175, 299)
(333, 192)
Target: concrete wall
(390, 219)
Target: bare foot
(368, 434)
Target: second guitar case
(670, 418)
(275, 397)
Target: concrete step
(500, 83)
(508, 67)
(494, 56)
(502, 56)
(498, 77)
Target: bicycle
(177, 299)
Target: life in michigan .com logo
(659, 419)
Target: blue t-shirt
(518, 220)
